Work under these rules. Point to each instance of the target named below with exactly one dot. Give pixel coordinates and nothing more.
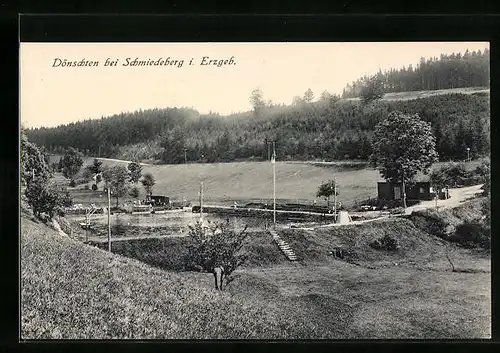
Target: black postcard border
(223, 28)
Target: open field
(70, 290)
(424, 94)
(253, 181)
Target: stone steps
(284, 247)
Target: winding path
(457, 197)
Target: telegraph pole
(335, 199)
(201, 200)
(109, 223)
(273, 161)
(404, 193)
(185, 156)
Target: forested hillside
(470, 69)
(329, 129)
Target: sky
(53, 94)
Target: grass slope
(79, 292)
(169, 253)
(418, 249)
(74, 291)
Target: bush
(94, 187)
(115, 209)
(72, 183)
(472, 234)
(385, 243)
(456, 175)
(134, 192)
(86, 187)
(45, 198)
(430, 222)
(55, 167)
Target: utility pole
(404, 193)
(185, 155)
(201, 200)
(109, 223)
(468, 154)
(87, 224)
(273, 161)
(335, 199)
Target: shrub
(72, 183)
(115, 209)
(45, 198)
(472, 234)
(430, 222)
(134, 192)
(94, 187)
(385, 243)
(86, 187)
(456, 174)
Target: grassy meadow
(224, 183)
(72, 290)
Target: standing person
(218, 275)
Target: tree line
(329, 129)
(456, 70)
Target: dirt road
(457, 197)
(119, 160)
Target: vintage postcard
(288, 190)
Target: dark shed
(393, 191)
(158, 200)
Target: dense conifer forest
(329, 128)
(470, 69)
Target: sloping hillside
(418, 249)
(326, 129)
(70, 290)
(74, 291)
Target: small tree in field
(116, 178)
(95, 167)
(326, 190)
(135, 172)
(217, 244)
(72, 161)
(148, 181)
(402, 146)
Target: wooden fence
(65, 226)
